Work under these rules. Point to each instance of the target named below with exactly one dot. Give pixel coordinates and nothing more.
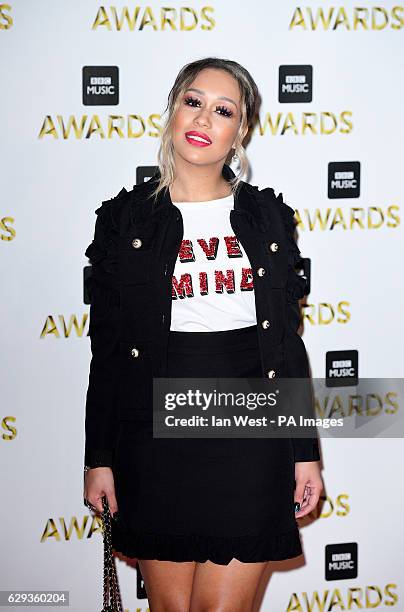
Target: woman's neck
(199, 183)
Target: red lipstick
(198, 139)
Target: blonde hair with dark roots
(249, 101)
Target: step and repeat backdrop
(84, 86)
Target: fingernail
(297, 506)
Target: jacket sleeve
(297, 364)
(100, 410)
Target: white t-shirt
(212, 284)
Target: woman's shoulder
(115, 202)
(268, 198)
(287, 216)
(114, 211)
(112, 217)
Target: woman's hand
(98, 482)
(309, 485)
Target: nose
(202, 118)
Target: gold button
(135, 352)
(136, 243)
(273, 246)
(271, 373)
(265, 324)
(261, 271)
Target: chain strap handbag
(112, 597)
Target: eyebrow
(219, 98)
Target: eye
(194, 102)
(190, 100)
(227, 112)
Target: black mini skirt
(199, 499)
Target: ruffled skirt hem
(221, 550)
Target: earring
(235, 158)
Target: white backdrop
(53, 179)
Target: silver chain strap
(112, 597)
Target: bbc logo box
(100, 85)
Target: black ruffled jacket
(130, 312)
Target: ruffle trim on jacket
(296, 285)
(102, 252)
(201, 548)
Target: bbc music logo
(141, 592)
(303, 268)
(341, 368)
(344, 179)
(295, 83)
(87, 272)
(341, 561)
(144, 173)
(100, 85)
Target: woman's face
(210, 108)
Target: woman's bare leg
(225, 588)
(168, 584)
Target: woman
(179, 289)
